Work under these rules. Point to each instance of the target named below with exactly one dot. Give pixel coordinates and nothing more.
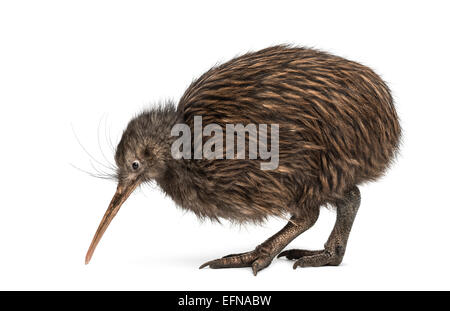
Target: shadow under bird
(338, 128)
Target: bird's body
(337, 128)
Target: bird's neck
(179, 182)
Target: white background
(92, 65)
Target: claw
(283, 253)
(252, 259)
(298, 253)
(289, 254)
(255, 268)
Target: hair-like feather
(337, 128)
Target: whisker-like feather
(108, 137)
(87, 152)
(106, 177)
(100, 145)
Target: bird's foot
(258, 259)
(316, 258)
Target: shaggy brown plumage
(337, 128)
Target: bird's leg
(335, 247)
(263, 254)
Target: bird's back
(337, 128)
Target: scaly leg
(335, 247)
(263, 254)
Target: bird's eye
(135, 165)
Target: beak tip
(120, 196)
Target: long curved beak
(122, 193)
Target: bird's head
(141, 156)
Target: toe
(231, 261)
(297, 253)
(255, 268)
(321, 259)
(289, 254)
(261, 263)
(206, 264)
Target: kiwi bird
(337, 128)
